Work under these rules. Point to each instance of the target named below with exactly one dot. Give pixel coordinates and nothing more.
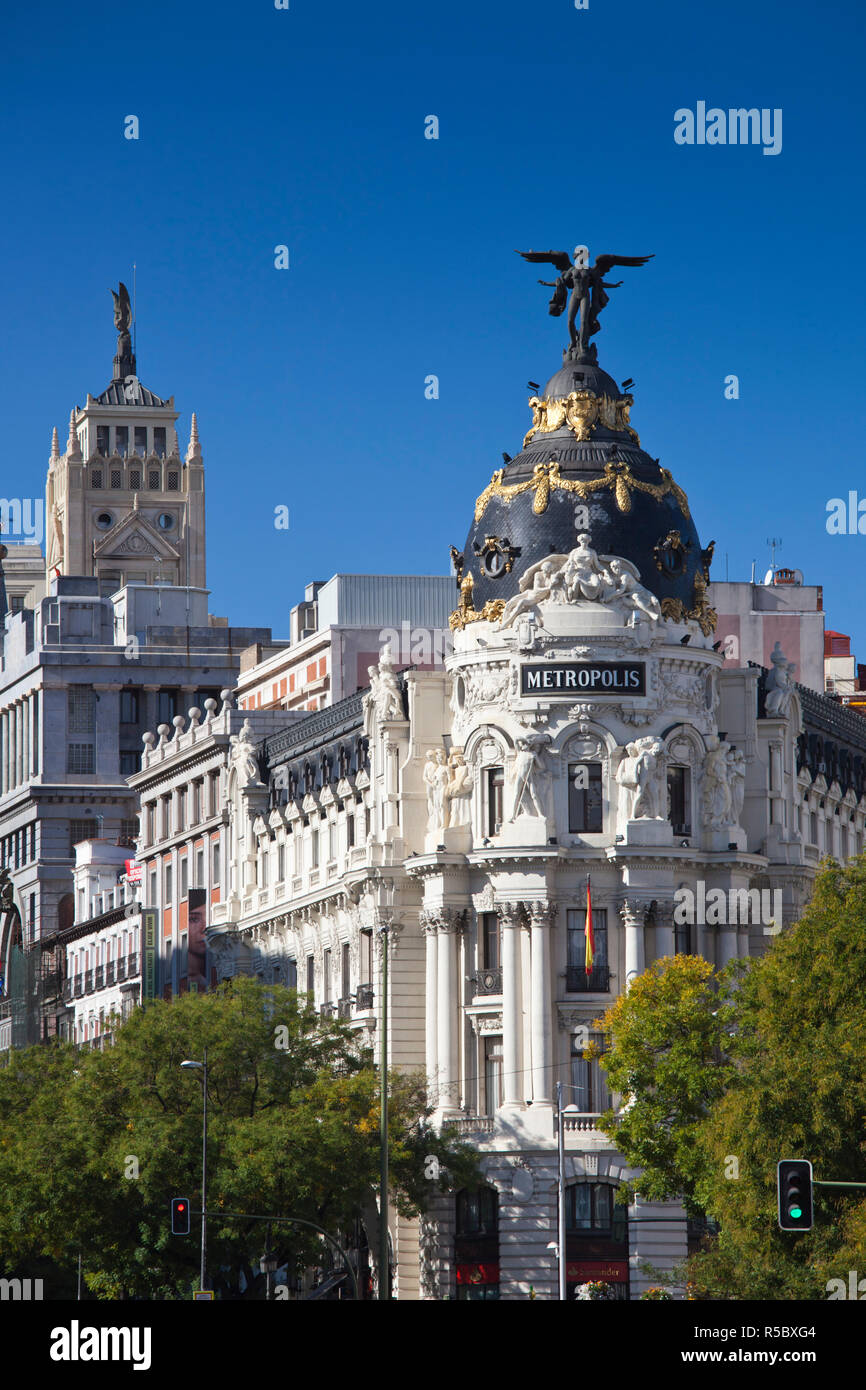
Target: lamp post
(202, 1067)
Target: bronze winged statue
(587, 285)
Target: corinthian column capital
(541, 913)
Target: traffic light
(794, 1186)
(180, 1216)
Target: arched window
(476, 1244)
(596, 1237)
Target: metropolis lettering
(600, 677)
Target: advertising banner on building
(197, 947)
(148, 954)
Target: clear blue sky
(306, 127)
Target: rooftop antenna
(774, 543)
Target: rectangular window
(311, 976)
(165, 829)
(281, 861)
(495, 799)
(103, 445)
(683, 938)
(196, 802)
(151, 822)
(82, 709)
(492, 1075)
(265, 861)
(199, 868)
(180, 823)
(129, 829)
(134, 479)
(578, 982)
(79, 758)
(332, 840)
(291, 974)
(584, 798)
(184, 875)
(169, 887)
(213, 793)
(490, 939)
(121, 440)
(326, 977)
(153, 479)
(314, 847)
(345, 971)
(159, 440)
(215, 863)
(129, 706)
(350, 830)
(151, 889)
(130, 761)
(296, 841)
(365, 964)
(166, 706)
(141, 439)
(588, 1087)
(679, 800)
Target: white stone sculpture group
(449, 789)
(642, 773)
(724, 784)
(384, 690)
(582, 575)
(780, 683)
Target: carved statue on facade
(384, 689)
(243, 756)
(642, 773)
(587, 287)
(582, 575)
(436, 777)
(716, 799)
(780, 684)
(736, 761)
(459, 789)
(530, 777)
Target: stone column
(727, 944)
(542, 916)
(665, 938)
(632, 914)
(429, 926)
(446, 1007)
(16, 744)
(511, 917)
(4, 753)
(26, 713)
(37, 736)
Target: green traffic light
(795, 1213)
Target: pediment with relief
(133, 535)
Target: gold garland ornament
(701, 613)
(466, 613)
(546, 477)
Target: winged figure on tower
(587, 285)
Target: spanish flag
(590, 935)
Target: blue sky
(305, 127)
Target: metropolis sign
(584, 678)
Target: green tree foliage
(293, 1119)
(788, 1031)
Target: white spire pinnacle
(55, 446)
(73, 449)
(194, 450)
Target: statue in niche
(716, 800)
(642, 773)
(459, 789)
(530, 777)
(436, 777)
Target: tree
(93, 1145)
(765, 1060)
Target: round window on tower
(104, 520)
(166, 521)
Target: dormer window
(159, 441)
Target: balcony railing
(99, 977)
(110, 972)
(121, 968)
(488, 981)
(472, 1124)
(364, 997)
(88, 982)
(68, 990)
(79, 985)
(579, 982)
(580, 1123)
(344, 1008)
(132, 968)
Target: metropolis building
(585, 725)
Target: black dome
(582, 450)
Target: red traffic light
(180, 1216)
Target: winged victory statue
(587, 285)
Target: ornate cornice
(546, 478)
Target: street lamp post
(202, 1067)
(269, 1264)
